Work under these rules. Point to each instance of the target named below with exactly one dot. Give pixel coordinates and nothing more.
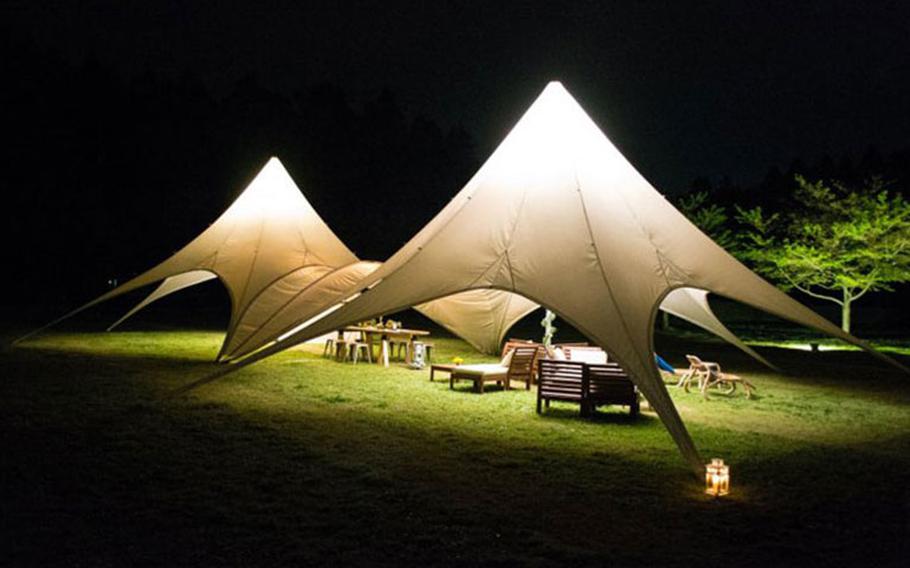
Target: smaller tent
(270, 238)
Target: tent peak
(274, 163)
(271, 195)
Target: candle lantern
(717, 478)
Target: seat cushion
(482, 369)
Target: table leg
(384, 359)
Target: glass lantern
(717, 478)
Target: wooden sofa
(589, 385)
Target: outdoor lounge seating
(589, 385)
(518, 367)
(512, 343)
(708, 374)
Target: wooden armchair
(709, 374)
(698, 369)
(589, 385)
(512, 343)
(610, 384)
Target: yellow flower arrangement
(457, 360)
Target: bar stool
(361, 346)
(329, 348)
(344, 345)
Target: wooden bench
(588, 385)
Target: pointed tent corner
(691, 305)
(768, 298)
(167, 287)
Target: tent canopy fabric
(291, 302)
(166, 288)
(483, 317)
(559, 216)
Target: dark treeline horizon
(105, 174)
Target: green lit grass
(299, 460)
(899, 348)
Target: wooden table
(384, 335)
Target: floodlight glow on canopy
(273, 195)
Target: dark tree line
(103, 175)
(775, 190)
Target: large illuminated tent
(268, 241)
(559, 216)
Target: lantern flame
(717, 478)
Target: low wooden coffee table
(444, 367)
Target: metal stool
(329, 348)
(358, 346)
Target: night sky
(721, 88)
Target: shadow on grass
(612, 417)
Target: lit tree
(837, 245)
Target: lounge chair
(517, 365)
(709, 374)
(512, 343)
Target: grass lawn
(301, 460)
